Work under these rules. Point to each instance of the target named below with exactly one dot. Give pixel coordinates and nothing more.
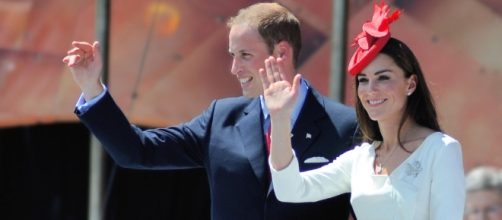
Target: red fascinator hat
(373, 38)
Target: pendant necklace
(380, 163)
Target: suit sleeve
(177, 147)
(448, 186)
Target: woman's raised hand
(280, 95)
(280, 98)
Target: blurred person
(228, 139)
(484, 194)
(407, 168)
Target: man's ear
(282, 49)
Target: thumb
(296, 84)
(96, 50)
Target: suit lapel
(250, 130)
(305, 130)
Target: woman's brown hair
(419, 106)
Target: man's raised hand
(85, 63)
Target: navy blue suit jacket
(227, 141)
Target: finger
(281, 68)
(77, 53)
(275, 70)
(264, 79)
(72, 60)
(296, 84)
(85, 46)
(74, 50)
(75, 60)
(268, 69)
(96, 51)
(80, 50)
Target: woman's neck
(390, 132)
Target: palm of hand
(279, 97)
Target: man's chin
(250, 94)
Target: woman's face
(383, 89)
(483, 205)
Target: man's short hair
(274, 22)
(484, 178)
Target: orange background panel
(169, 59)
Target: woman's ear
(412, 84)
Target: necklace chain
(380, 163)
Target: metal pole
(96, 166)
(103, 33)
(96, 156)
(338, 50)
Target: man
(228, 138)
(484, 194)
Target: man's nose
(235, 66)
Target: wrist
(92, 91)
(280, 116)
(282, 124)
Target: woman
(406, 168)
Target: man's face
(248, 51)
(483, 205)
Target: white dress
(429, 184)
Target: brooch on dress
(413, 169)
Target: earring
(409, 93)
